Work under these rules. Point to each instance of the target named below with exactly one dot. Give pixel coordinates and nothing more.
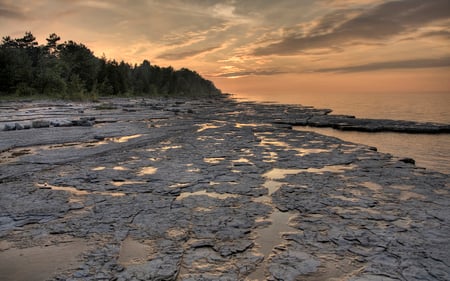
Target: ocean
(430, 151)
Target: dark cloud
(9, 11)
(444, 34)
(250, 73)
(404, 64)
(376, 24)
(185, 54)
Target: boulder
(9, 127)
(40, 124)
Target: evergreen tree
(71, 70)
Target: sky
(260, 46)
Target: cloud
(11, 12)
(185, 54)
(343, 27)
(444, 34)
(237, 74)
(403, 64)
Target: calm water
(429, 151)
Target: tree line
(71, 70)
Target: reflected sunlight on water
(424, 107)
(429, 151)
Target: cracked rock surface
(141, 189)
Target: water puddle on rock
(40, 263)
(271, 236)
(77, 192)
(307, 151)
(125, 138)
(147, 171)
(301, 151)
(134, 252)
(207, 126)
(204, 192)
(25, 154)
(277, 174)
(213, 160)
(375, 187)
(120, 182)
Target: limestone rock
(291, 264)
(40, 124)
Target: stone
(195, 202)
(371, 277)
(229, 248)
(350, 123)
(407, 161)
(40, 124)
(61, 123)
(18, 126)
(9, 127)
(84, 122)
(291, 265)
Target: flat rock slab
(183, 189)
(350, 123)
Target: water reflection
(271, 236)
(133, 252)
(119, 183)
(77, 192)
(213, 160)
(40, 263)
(204, 192)
(207, 126)
(277, 174)
(372, 186)
(147, 171)
(432, 107)
(429, 151)
(125, 138)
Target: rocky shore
(351, 123)
(140, 189)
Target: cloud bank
(404, 64)
(235, 38)
(378, 24)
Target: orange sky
(261, 46)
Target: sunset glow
(266, 46)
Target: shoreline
(177, 190)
